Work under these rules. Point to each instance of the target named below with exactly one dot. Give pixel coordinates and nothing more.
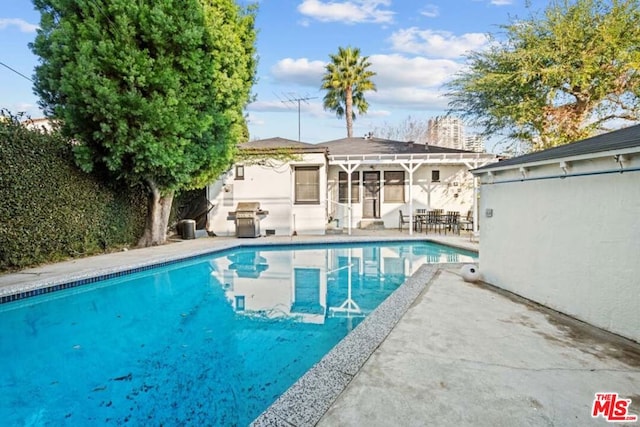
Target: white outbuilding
(562, 227)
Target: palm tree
(346, 80)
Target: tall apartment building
(474, 142)
(446, 131)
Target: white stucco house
(562, 227)
(342, 184)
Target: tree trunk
(158, 210)
(349, 111)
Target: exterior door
(371, 199)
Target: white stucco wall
(454, 180)
(272, 184)
(571, 244)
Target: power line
(15, 71)
(109, 23)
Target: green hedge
(49, 209)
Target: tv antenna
(294, 99)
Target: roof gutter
(562, 176)
(588, 156)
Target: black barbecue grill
(247, 219)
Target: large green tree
(151, 91)
(557, 77)
(346, 79)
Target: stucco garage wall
(571, 244)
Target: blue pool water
(209, 341)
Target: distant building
(42, 124)
(475, 143)
(446, 131)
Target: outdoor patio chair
(420, 219)
(404, 220)
(452, 222)
(434, 220)
(466, 223)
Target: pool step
(334, 231)
(371, 224)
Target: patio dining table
(437, 220)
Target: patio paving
(469, 355)
(461, 354)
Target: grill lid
(248, 206)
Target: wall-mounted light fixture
(524, 171)
(564, 166)
(621, 159)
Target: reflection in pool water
(210, 341)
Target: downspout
(475, 206)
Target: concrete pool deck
(81, 268)
(440, 352)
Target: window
(435, 176)
(394, 186)
(239, 172)
(343, 187)
(307, 185)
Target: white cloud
(402, 81)
(441, 44)
(22, 25)
(378, 113)
(400, 71)
(415, 83)
(255, 120)
(501, 2)
(267, 106)
(409, 98)
(299, 71)
(350, 12)
(430, 11)
(285, 103)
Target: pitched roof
(375, 145)
(621, 139)
(279, 143)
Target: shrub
(49, 209)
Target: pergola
(411, 163)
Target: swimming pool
(213, 340)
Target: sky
(414, 47)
